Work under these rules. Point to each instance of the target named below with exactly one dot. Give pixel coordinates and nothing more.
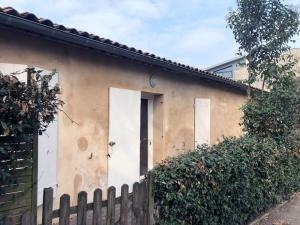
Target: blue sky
(188, 31)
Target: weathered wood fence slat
(134, 208)
(97, 210)
(47, 206)
(81, 208)
(17, 194)
(124, 205)
(111, 195)
(64, 210)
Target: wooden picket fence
(136, 208)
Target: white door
(124, 137)
(202, 121)
(150, 133)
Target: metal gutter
(56, 34)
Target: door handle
(111, 143)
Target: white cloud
(201, 38)
(293, 2)
(143, 8)
(108, 24)
(118, 20)
(50, 9)
(193, 42)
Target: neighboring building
(132, 109)
(230, 68)
(236, 68)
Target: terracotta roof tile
(46, 22)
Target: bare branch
(73, 121)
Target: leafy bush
(273, 113)
(225, 184)
(29, 106)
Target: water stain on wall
(82, 144)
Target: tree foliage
(274, 113)
(264, 29)
(27, 106)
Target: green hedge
(226, 184)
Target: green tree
(264, 29)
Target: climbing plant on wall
(25, 108)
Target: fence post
(27, 219)
(64, 210)
(124, 205)
(7, 221)
(97, 207)
(47, 206)
(110, 217)
(143, 202)
(136, 204)
(81, 208)
(150, 199)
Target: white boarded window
(202, 121)
(47, 153)
(47, 143)
(7, 69)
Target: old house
(132, 109)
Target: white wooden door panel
(124, 137)
(150, 133)
(202, 121)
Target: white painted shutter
(47, 155)
(124, 137)
(202, 121)
(8, 68)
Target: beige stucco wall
(85, 78)
(296, 53)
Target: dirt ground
(287, 213)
